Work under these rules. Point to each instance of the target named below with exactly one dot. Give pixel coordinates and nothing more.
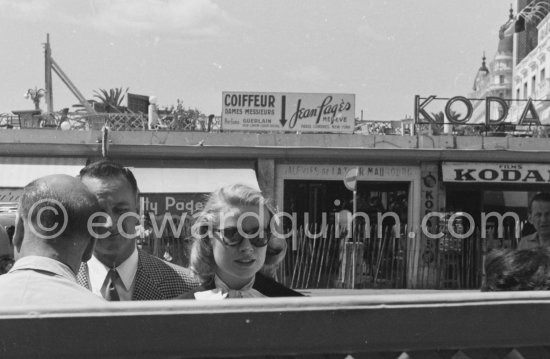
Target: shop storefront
(493, 199)
(317, 206)
(481, 188)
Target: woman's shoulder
(191, 294)
(271, 288)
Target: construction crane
(50, 65)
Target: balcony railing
(437, 325)
(139, 122)
(115, 121)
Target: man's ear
(19, 233)
(89, 250)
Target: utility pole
(48, 74)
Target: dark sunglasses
(230, 236)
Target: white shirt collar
(126, 270)
(245, 292)
(44, 264)
(219, 283)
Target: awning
(17, 172)
(191, 180)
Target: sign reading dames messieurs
(290, 112)
(495, 172)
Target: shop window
(325, 198)
(501, 201)
(459, 259)
(316, 260)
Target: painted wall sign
(304, 112)
(495, 172)
(429, 203)
(364, 173)
(529, 114)
(173, 203)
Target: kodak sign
(495, 172)
(529, 114)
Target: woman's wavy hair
(236, 195)
(523, 269)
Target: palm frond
(113, 98)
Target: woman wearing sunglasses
(231, 237)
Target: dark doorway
(324, 253)
(328, 197)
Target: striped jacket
(155, 279)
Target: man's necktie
(111, 293)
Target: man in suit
(118, 270)
(539, 217)
(50, 242)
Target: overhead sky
(384, 52)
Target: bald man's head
(57, 207)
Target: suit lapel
(82, 276)
(147, 285)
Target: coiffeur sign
(495, 172)
(266, 111)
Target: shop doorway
(326, 253)
(460, 260)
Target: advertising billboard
(496, 172)
(288, 112)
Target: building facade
(531, 77)
(420, 194)
(494, 80)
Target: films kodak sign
(465, 172)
